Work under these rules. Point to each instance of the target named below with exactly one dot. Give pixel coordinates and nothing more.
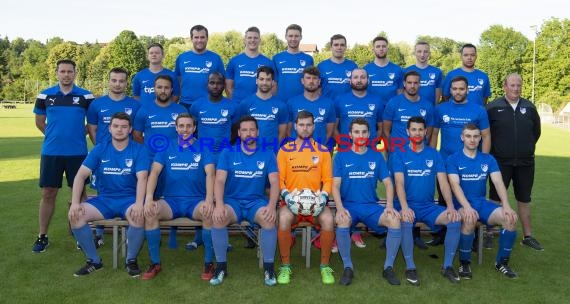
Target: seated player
(468, 171)
(121, 166)
(304, 163)
(241, 177)
(188, 191)
(355, 175)
(415, 170)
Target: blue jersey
(335, 77)
(100, 112)
(183, 172)
(65, 114)
(155, 122)
(473, 173)
(451, 117)
(478, 84)
(242, 69)
(288, 73)
(215, 120)
(116, 170)
(322, 109)
(349, 107)
(193, 70)
(399, 110)
(384, 81)
(143, 84)
(247, 174)
(270, 114)
(431, 78)
(360, 174)
(420, 173)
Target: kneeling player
(241, 176)
(468, 170)
(304, 163)
(121, 166)
(356, 173)
(188, 191)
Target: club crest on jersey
(429, 163)
(523, 110)
(322, 111)
(445, 118)
(128, 162)
(174, 116)
(431, 75)
(391, 75)
(75, 100)
(129, 111)
(224, 112)
(371, 106)
(302, 63)
(261, 165)
(274, 110)
(484, 167)
(348, 73)
(315, 159)
(481, 81)
(197, 157)
(372, 165)
(423, 112)
(208, 64)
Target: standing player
(431, 77)
(356, 173)
(415, 170)
(188, 176)
(269, 111)
(60, 115)
(241, 179)
(304, 163)
(312, 101)
(289, 64)
(242, 69)
(468, 171)
(385, 76)
(515, 129)
(477, 80)
(143, 82)
(193, 67)
(121, 166)
(336, 71)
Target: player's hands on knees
(207, 209)
(137, 212)
(469, 215)
(268, 214)
(452, 214)
(510, 216)
(391, 212)
(408, 215)
(342, 216)
(75, 212)
(219, 214)
(151, 209)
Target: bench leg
(123, 241)
(259, 250)
(303, 240)
(115, 246)
(480, 244)
(308, 246)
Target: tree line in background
(27, 66)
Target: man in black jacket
(515, 129)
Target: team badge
(174, 116)
(302, 63)
(371, 106)
(197, 157)
(429, 163)
(224, 112)
(322, 111)
(372, 165)
(274, 110)
(391, 75)
(523, 110)
(446, 118)
(129, 111)
(484, 167)
(128, 162)
(423, 112)
(315, 159)
(208, 64)
(481, 81)
(348, 73)
(75, 100)
(261, 165)
(431, 75)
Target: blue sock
(153, 243)
(343, 243)
(268, 244)
(393, 240)
(506, 241)
(451, 242)
(220, 242)
(198, 236)
(84, 236)
(135, 237)
(407, 244)
(99, 230)
(465, 244)
(172, 242)
(208, 247)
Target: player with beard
(478, 82)
(385, 76)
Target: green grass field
(47, 278)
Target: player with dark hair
(468, 171)
(355, 176)
(431, 77)
(336, 71)
(121, 166)
(385, 76)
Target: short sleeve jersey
(215, 120)
(478, 85)
(242, 69)
(270, 114)
(472, 172)
(193, 70)
(288, 73)
(384, 81)
(335, 77)
(103, 108)
(431, 78)
(399, 110)
(323, 112)
(349, 107)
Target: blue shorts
(246, 209)
(367, 213)
(182, 206)
(485, 208)
(112, 207)
(426, 213)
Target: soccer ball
(307, 202)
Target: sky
(359, 20)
